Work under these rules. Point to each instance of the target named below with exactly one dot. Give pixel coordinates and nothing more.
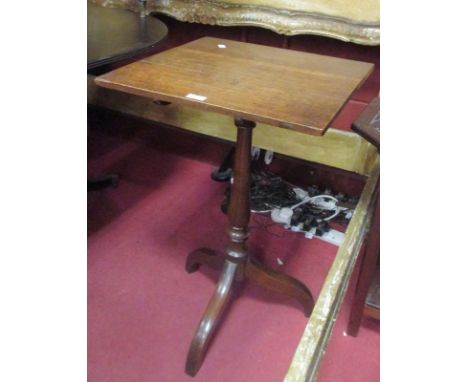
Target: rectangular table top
(284, 88)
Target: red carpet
(143, 307)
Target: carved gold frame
(281, 21)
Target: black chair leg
(103, 181)
(224, 172)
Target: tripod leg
(281, 283)
(203, 256)
(238, 213)
(210, 319)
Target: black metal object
(224, 172)
(104, 181)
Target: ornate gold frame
(282, 21)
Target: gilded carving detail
(355, 21)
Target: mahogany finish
(237, 265)
(279, 282)
(285, 88)
(253, 83)
(204, 256)
(183, 32)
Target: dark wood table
(252, 83)
(115, 35)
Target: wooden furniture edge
(339, 149)
(371, 312)
(281, 21)
(367, 273)
(306, 361)
(364, 125)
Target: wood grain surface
(284, 88)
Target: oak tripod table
(253, 83)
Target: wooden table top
(117, 34)
(285, 88)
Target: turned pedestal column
(235, 264)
